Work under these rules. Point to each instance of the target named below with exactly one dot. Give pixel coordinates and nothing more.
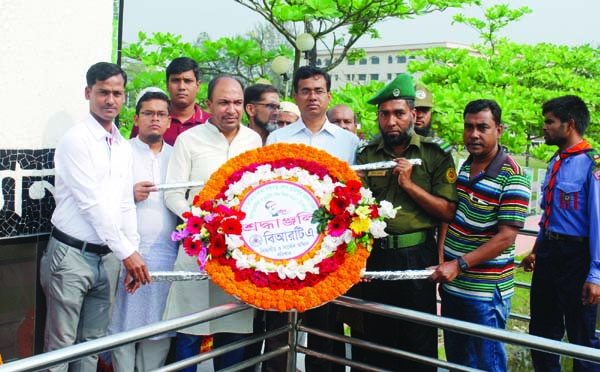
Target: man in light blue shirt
(312, 95)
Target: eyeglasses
(307, 92)
(269, 106)
(151, 114)
(385, 115)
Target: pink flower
(339, 224)
(194, 224)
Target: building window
(401, 59)
(327, 61)
(348, 77)
(375, 77)
(362, 77)
(363, 61)
(412, 57)
(318, 61)
(350, 63)
(374, 60)
(390, 59)
(336, 77)
(389, 76)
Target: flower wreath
(346, 220)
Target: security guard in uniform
(426, 196)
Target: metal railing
(74, 352)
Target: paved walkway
(525, 243)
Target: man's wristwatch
(462, 265)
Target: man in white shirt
(312, 93)
(94, 222)
(199, 152)
(155, 225)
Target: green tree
(519, 77)
(340, 23)
(245, 57)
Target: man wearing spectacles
(427, 196)
(155, 223)
(312, 93)
(261, 104)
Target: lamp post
(305, 42)
(281, 65)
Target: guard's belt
(402, 241)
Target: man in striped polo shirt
(477, 275)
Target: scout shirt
(436, 175)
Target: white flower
(347, 236)
(377, 228)
(241, 261)
(386, 209)
(233, 241)
(366, 194)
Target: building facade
(381, 63)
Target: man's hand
(528, 263)
(142, 190)
(445, 272)
(403, 169)
(590, 294)
(136, 272)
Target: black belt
(556, 236)
(100, 250)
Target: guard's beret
(399, 88)
(423, 96)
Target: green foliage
(247, 58)
(343, 21)
(519, 77)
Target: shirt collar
(327, 127)
(99, 132)
(495, 166)
(137, 142)
(199, 117)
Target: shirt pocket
(379, 184)
(570, 195)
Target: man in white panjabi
(155, 223)
(198, 153)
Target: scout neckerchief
(577, 149)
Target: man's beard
(267, 125)
(153, 138)
(423, 131)
(402, 139)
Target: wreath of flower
(348, 218)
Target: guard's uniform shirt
(436, 175)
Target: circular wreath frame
(335, 284)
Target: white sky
(570, 22)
